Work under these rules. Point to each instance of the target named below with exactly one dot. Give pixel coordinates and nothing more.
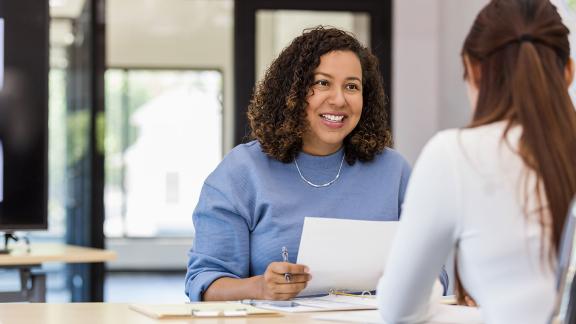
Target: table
(33, 284)
(104, 313)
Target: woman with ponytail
(497, 191)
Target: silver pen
(287, 275)
(277, 303)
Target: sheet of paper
(443, 314)
(207, 309)
(344, 255)
(326, 304)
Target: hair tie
(525, 38)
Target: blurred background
(145, 97)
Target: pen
(277, 303)
(287, 275)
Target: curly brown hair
(277, 111)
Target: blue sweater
(253, 205)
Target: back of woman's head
(277, 110)
(520, 53)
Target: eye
(322, 83)
(352, 87)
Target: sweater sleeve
(425, 236)
(221, 244)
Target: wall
(428, 90)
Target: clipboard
(201, 310)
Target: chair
(565, 306)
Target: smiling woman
(334, 103)
(301, 78)
(320, 103)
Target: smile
(332, 118)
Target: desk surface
(41, 253)
(104, 313)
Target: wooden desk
(103, 313)
(41, 253)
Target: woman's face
(334, 102)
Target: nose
(337, 97)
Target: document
(443, 314)
(344, 255)
(325, 304)
(334, 302)
(203, 309)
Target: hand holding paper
(344, 254)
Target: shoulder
(239, 163)
(392, 156)
(391, 159)
(442, 140)
(247, 151)
(441, 148)
(452, 147)
(482, 135)
(470, 142)
(387, 165)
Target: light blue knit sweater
(252, 205)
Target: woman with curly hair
(320, 149)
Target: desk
(104, 313)
(40, 253)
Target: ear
(569, 72)
(473, 72)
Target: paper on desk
(343, 254)
(211, 309)
(327, 303)
(443, 314)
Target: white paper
(344, 255)
(343, 302)
(1, 53)
(443, 314)
(326, 304)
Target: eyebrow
(330, 76)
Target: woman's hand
(275, 286)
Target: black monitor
(24, 115)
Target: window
(163, 138)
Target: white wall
(428, 91)
(568, 13)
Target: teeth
(332, 117)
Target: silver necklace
(324, 184)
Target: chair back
(565, 306)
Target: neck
(321, 150)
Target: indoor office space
(125, 177)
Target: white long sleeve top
(467, 193)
